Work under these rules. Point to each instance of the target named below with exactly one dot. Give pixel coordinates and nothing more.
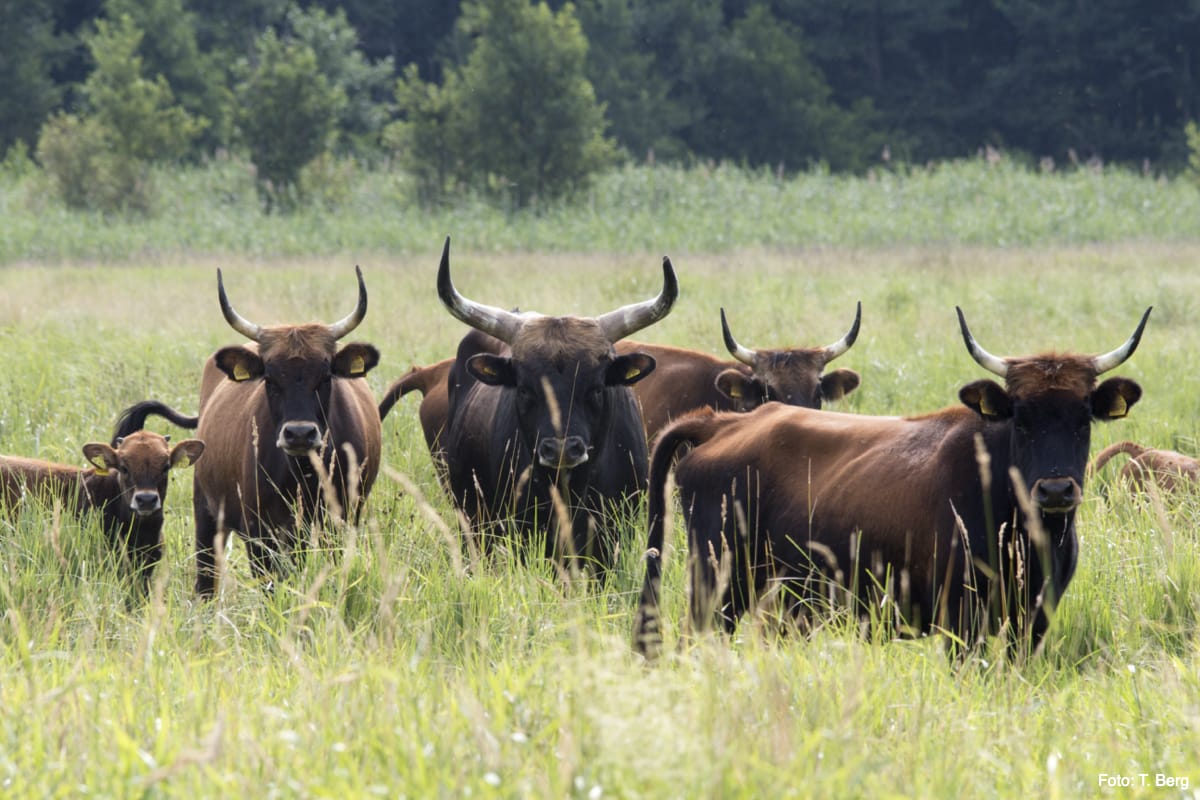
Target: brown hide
(268, 409)
(1167, 469)
(127, 484)
(893, 511)
(685, 380)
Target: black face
(1051, 435)
(298, 393)
(298, 390)
(561, 412)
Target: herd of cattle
(961, 520)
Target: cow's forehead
(297, 342)
(561, 341)
(807, 362)
(1051, 372)
(143, 445)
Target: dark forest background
(538, 96)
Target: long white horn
(235, 320)
(504, 325)
(842, 345)
(341, 328)
(986, 360)
(629, 319)
(742, 354)
(1117, 357)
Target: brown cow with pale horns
(919, 516)
(279, 416)
(126, 484)
(685, 380)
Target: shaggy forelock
(561, 341)
(305, 342)
(1050, 372)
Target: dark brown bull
(548, 415)
(917, 511)
(275, 415)
(685, 380)
(1167, 469)
(126, 484)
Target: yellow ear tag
(1119, 408)
(358, 365)
(735, 390)
(985, 407)
(632, 373)
(100, 470)
(240, 373)
(487, 369)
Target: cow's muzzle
(1057, 495)
(562, 453)
(297, 438)
(145, 503)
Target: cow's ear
(987, 399)
(629, 369)
(492, 370)
(186, 452)
(239, 363)
(355, 360)
(839, 383)
(1113, 398)
(101, 456)
(737, 385)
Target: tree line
(525, 100)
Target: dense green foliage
(404, 667)
(286, 114)
(786, 84)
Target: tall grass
(214, 210)
(402, 667)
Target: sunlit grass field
(401, 668)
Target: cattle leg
(206, 554)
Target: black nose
(145, 502)
(562, 453)
(298, 436)
(1056, 494)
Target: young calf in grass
(127, 484)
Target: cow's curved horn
(340, 329)
(986, 360)
(742, 354)
(635, 316)
(239, 323)
(1117, 357)
(842, 345)
(504, 325)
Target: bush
(286, 114)
(87, 170)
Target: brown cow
(1169, 470)
(278, 414)
(127, 484)
(686, 380)
(909, 516)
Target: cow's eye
(596, 395)
(525, 395)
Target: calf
(126, 484)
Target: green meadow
(400, 666)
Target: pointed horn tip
(852, 336)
